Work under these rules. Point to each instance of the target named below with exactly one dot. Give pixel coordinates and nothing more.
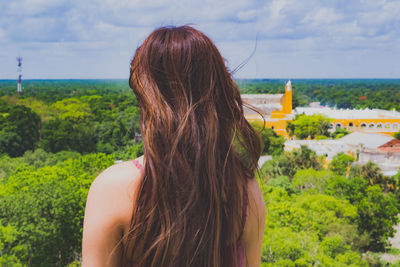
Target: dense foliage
(316, 126)
(44, 174)
(320, 217)
(288, 163)
(42, 210)
(58, 135)
(83, 116)
(273, 143)
(309, 230)
(19, 129)
(397, 135)
(341, 164)
(312, 126)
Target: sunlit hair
(199, 151)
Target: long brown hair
(198, 151)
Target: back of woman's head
(199, 152)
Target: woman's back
(109, 210)
(189, 200)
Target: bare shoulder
(119, 175)
(256, 201)
(108, 211)
(256, 206)
(117, 186)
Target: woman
(192, 199)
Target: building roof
(350, 113)
(327, 147)
(263, 108)
(368, 140)
(391, 146)
(268, 105)
(262, 96)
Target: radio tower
(19, 70)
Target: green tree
(371, 173)
(102, 106)
(58, 135)
(46, 209)
(40, 158)
(71, 109)
(10, 165)
(9, 251)
(114, 134)
(341, 163)
(28, 125)
(41, 108)
(289, 162)
(339, 133)
(273, 143)
(378, 215)
(304, 126)
(308, 230)
(397, 135)
(377, 210)
(290, 128)
(19, 130)
(311, 179)
(10, 141)
(130, 151)
(282, 182)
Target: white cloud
(2, 35)
(248, 15)
(71, 30)
(322, 16)
(33, 7)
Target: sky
(93, 39)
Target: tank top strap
(137, 164)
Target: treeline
(82, 116)
(339, 93)
(50, 91)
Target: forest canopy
(59, 135)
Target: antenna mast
(19, 70)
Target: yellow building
(277, 110)
(365, 120)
